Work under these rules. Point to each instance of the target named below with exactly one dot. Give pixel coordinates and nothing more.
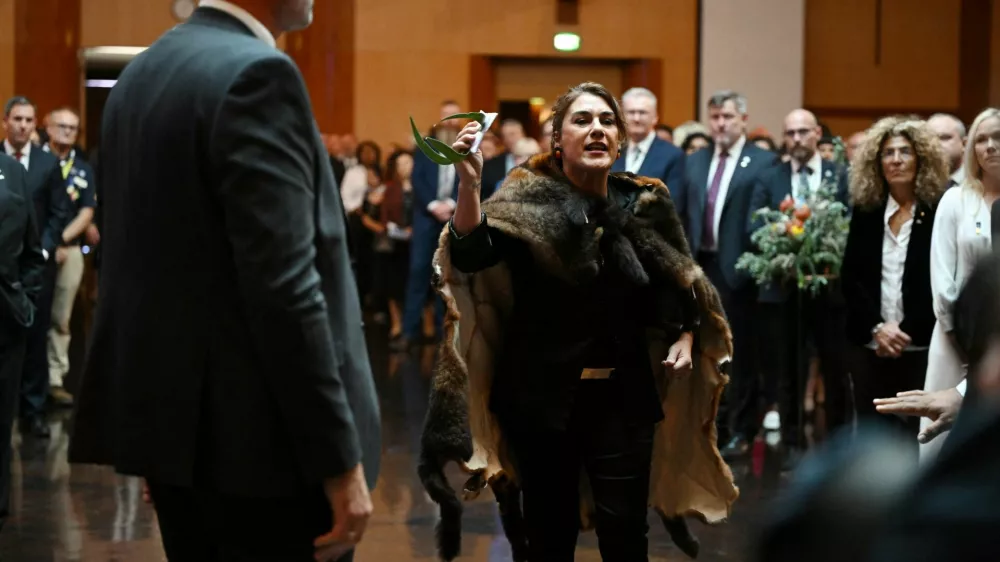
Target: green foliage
(805, 252)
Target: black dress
(556, 422)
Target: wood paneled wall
(126, 23)
(868, 58)
(6, 49)
(47, 39)
(412, 55)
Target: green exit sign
(566, 42)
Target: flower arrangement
(801, 241)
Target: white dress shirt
(814, 179)
(727, 176)
(244, 16)
(637, 153)
(961, 236)
(894, 248)
(25, 153)
(446, 185)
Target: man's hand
(352, 506)
(941, 407)
(679, 357)
(61, 253)
(93, 235)
(891, 340)
(442, 211)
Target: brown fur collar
(564, 227)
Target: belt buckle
(594, 374)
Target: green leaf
(439, 152)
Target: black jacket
(861, 274)
(21, 259)
(228, 332)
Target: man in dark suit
(821, 317)
(228, 364)
(45, 183)
(21, 267)
(647, 154)
(435, 190)
(719, 182)
(495, 169)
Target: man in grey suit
(228, 366)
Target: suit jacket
(52, 206)
(21, 259)
(770, 190)
(733, 238)
(861, 275)
(494, 171)
(665, 162)
(228, 332)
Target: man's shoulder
(40, 157)
(669, 150)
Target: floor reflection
(63, 513)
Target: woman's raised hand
(469, 170)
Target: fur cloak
(536, 204)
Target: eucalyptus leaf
(444, 155)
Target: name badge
(80, 182)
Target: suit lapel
(651, 156)
(784, 188)
(745, 161)
(703, 159)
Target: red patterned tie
(708, 226)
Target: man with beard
(821, 318)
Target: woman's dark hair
(392, 204)
(378, 154)
(562, 105)
(689, 140)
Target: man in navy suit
(647, 154)
(718, 185)
(435, 190)
(47, 188)
(821, 317)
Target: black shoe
(736, 448)
(36, 427)
(680, 533)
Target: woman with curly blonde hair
(897, 178)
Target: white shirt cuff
(961, 387)
(45, 253)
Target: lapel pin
(979, 228)
(744, 162)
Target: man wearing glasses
(63, 127)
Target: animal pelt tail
(449, 527)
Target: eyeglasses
(66, 127)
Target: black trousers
(738, 408)
(615, 456)
(787, 332)
(12, 343)
(878, 377)
(200, 525)
(35, 374)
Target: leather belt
(596, 373)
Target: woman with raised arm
(575, 317)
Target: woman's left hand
(679, 358)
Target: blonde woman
(961, 236)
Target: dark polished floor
(62, 512)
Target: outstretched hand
(941, 407)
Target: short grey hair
(720, 98)
(958, 122)
(638, 91)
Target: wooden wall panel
(411, 55)
(7, 31)
(858, 55)
(46, 68)
(325, 54)
(974, 58)
(127, 23)
(482, 84)
(527, 78)
(644, 73)
(995, 56)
